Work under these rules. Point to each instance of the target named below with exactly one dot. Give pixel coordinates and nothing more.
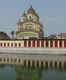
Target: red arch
(4, 44)
(38, 43)
(11, 44)
(56, 43)
(33, 43)
(60, 43)
(25, 43)
(46, 43)
(15, 44)
(64, 43)
(42, 43)
(51, 43)
(8, 44)
(19, 44)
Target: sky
(52, 14)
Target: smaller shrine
(30, 26)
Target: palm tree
(12, 33)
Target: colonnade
(57, 43)
(34, 63)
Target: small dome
(32, 11)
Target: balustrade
(35, 44)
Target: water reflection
(7, 73)
(19, 72)
(24, 73)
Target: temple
(30, 26)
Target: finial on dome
(31, 6)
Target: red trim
(1, 44)
(51, 44)
(56, 43)
(25, 43)
(38, 43)
(19, 44)
(4, 44)
(60, 43)
(8, 44)
(11, 44)
(46, 43)
(29, 43)
(42, 43)
(64, 44)
(15, 44)
(33, 43)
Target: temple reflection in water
(23, 73)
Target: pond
(19, 72)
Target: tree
(4, 36)
(12, 33)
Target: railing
(34, 43)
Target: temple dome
(32, 11)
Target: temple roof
(31, 10)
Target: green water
(7, 73)
(23, 73)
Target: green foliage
(4, 36)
